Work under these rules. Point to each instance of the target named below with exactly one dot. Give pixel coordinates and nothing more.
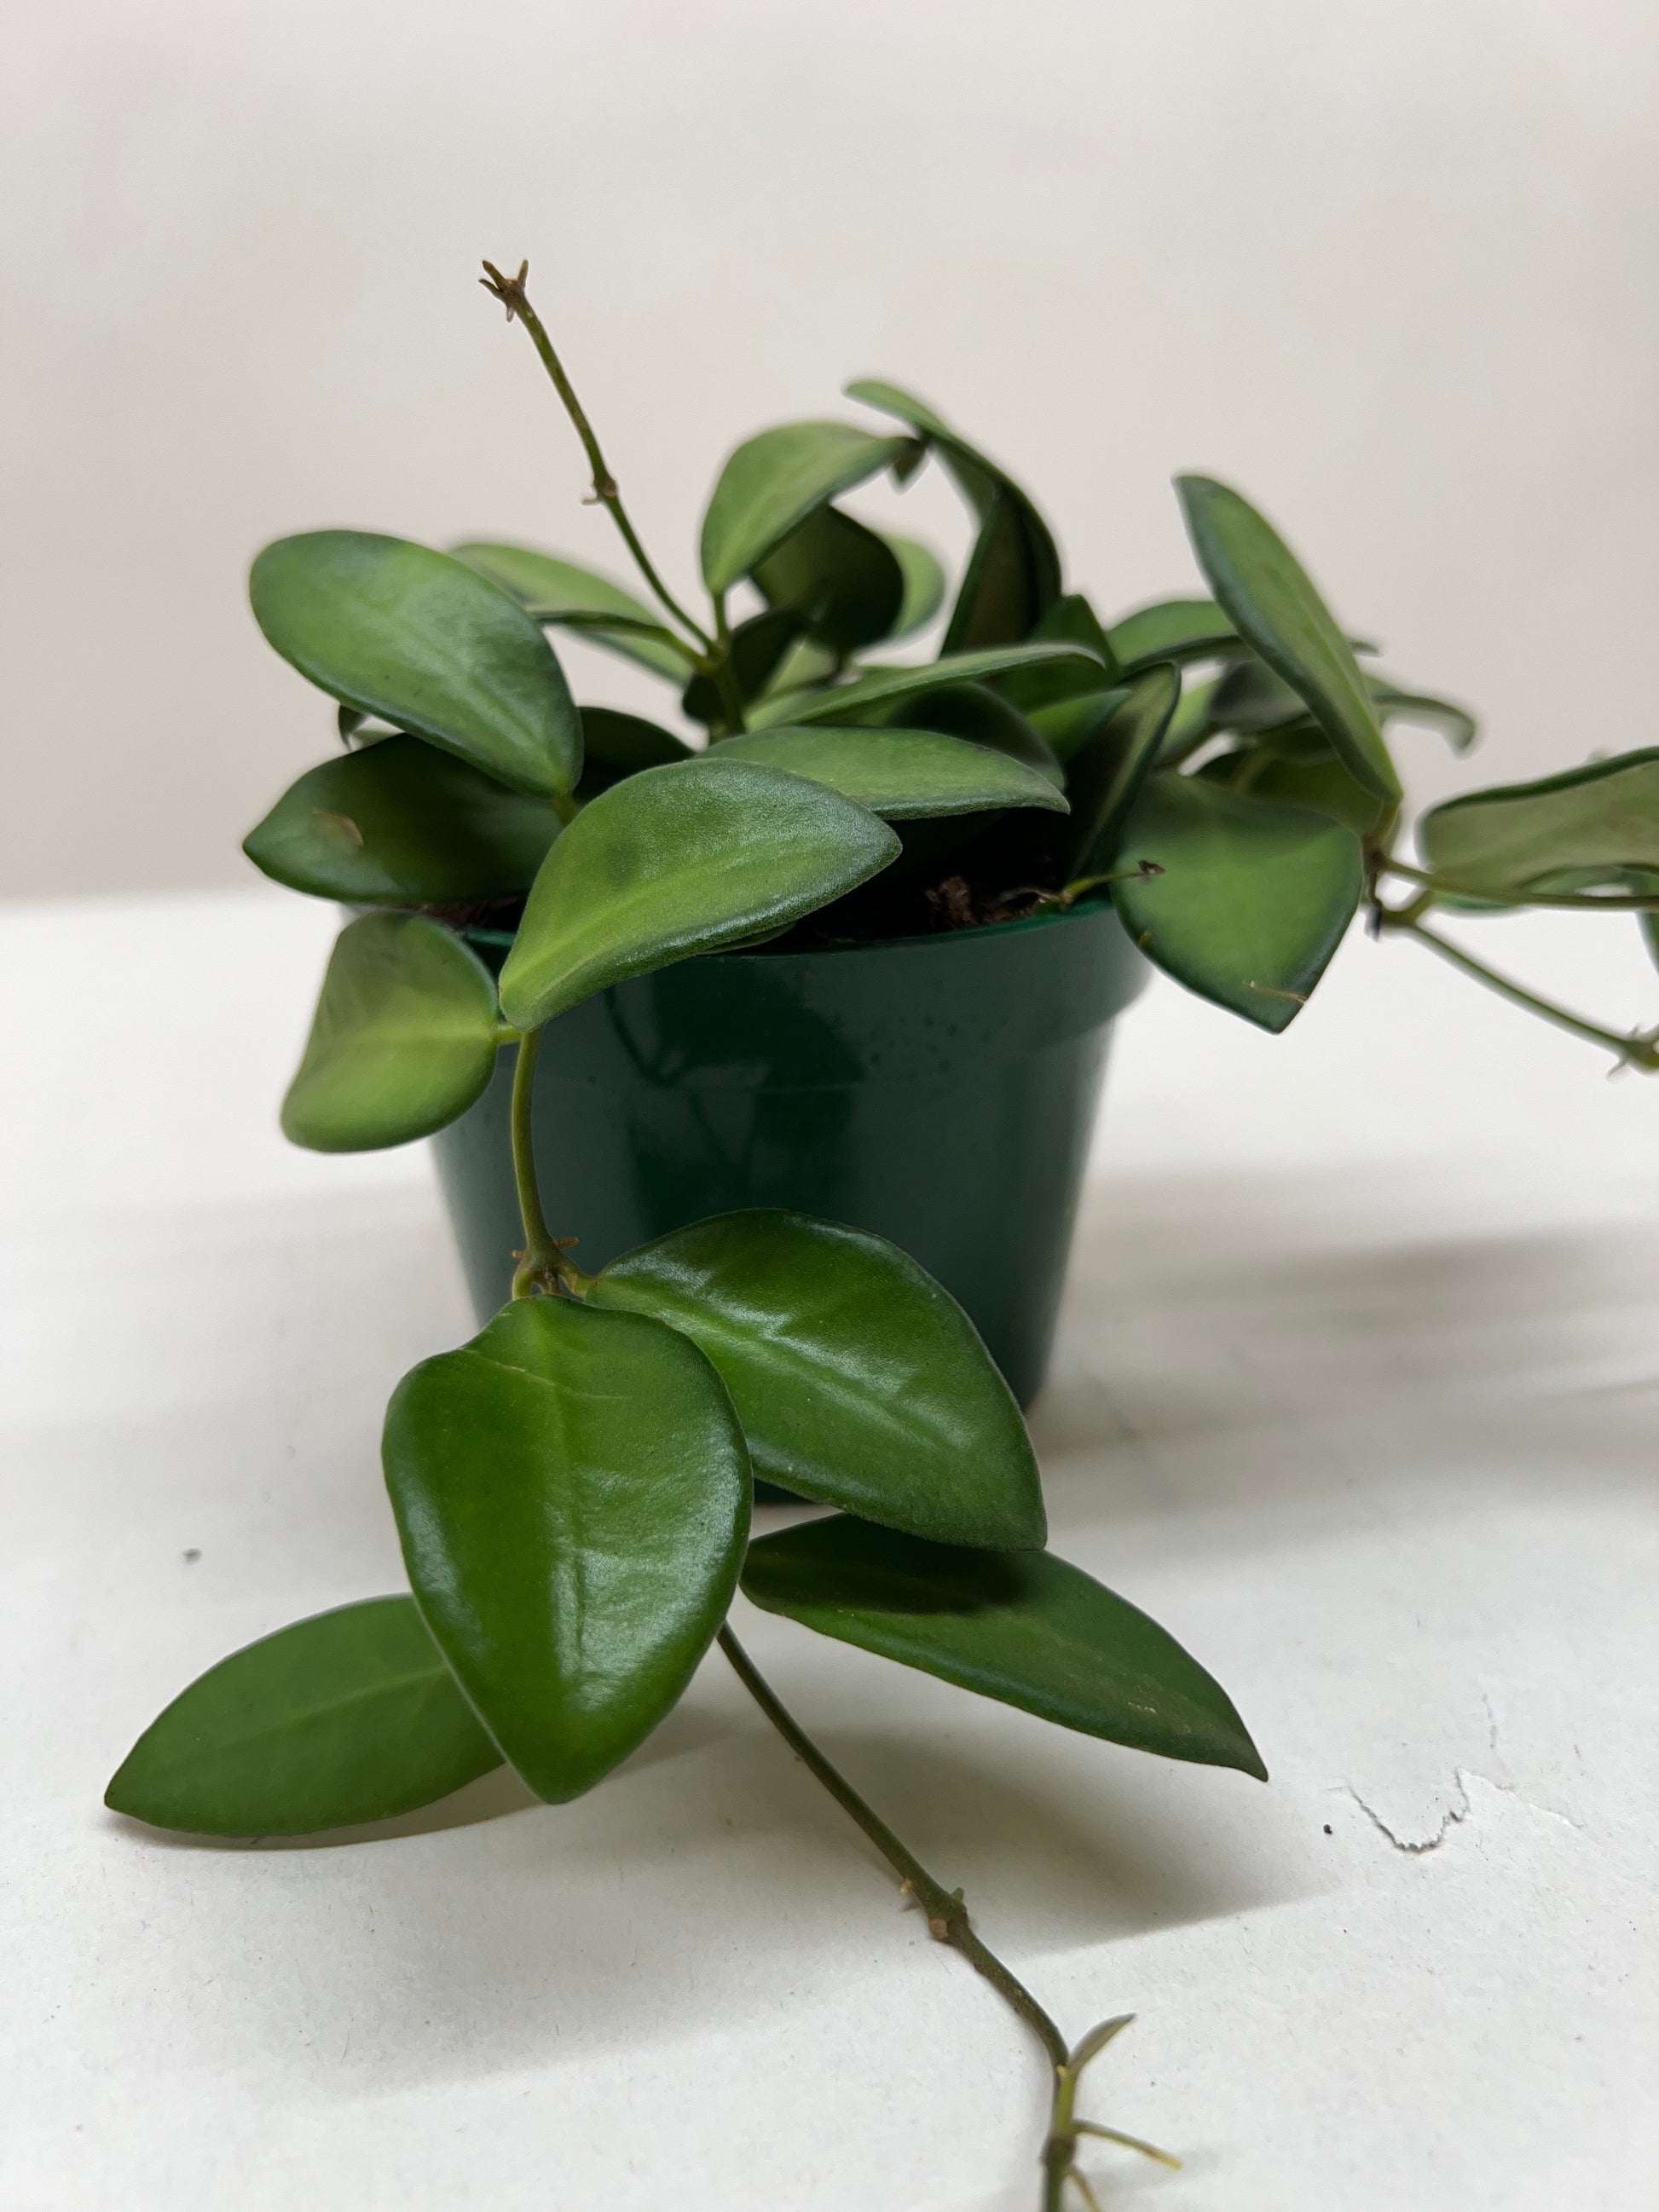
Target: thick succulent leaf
(1067, 726)
(1454, 723)
(1193, 721)
(1070, 620)
(679, 860)
(1591, 822)
(553, 590)
(1023, 1627)
(403, 1041)
(803, 668)
(401, 822)
(1323, 783)
(900, 773)
(351, 1715)
(1273, 603)
(1644, 883)
(1173, 629)
(1106, 774)
(1013, 575)
(858, 1381)
(890, 399)
(844, 580)
(772, 482)
(622, 745)
(1001, 600)
(758, 648)
(1249, 698)
(973, 712)
(851, 702)
(924, 586)
(425, 641)
(1253, 900)
(572, 1491)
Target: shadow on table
(1242, 1339)
(709, 1881)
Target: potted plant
(883, 895)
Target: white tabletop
(1356, 1393)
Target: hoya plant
(573, 1486)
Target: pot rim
(1094, 905)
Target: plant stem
(725, 676)
(1582, 902)
(948, 1922)
(544, 1264)
(1637, 1050)
(510, 291)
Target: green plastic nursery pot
(939, 1090)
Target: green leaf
(848, 701)
(924, 586)
(1023, 1627)
(1106, 774)
(572, 1491)
(1273, 604)
(1324, 784)
(623, 744)
(842, 579)
(774, 480)
(973, 711)
(1194, 720)
(1013, 575)
(1249, 698)
(1644, 884)
(1454, 723)
(403, 1039)
(1253, 900)
(859, 1382)
(398, 630)
(553, 590)
(999, 601)
(803, 668)
(1070, 620)
(1173, 629)
(400, 822)
(680, 860)
(900, 773)
(351, 1715)
(1592, 822)
(1066, 726)
(758, 648)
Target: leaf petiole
(544, 1263)
(722, 672)
(1640, 1049)
(1571, 903)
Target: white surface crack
(1419, 1846)
(1416, 1846)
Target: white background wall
(1386, 263)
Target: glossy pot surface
(939, 1090)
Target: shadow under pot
(938, 1090)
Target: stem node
(510, 290)
(948, 1922)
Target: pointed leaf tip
(348, 1716)
(1023, 1627)
(679, 860)
(773, 481)
(858, 1379)
(1274, 605)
